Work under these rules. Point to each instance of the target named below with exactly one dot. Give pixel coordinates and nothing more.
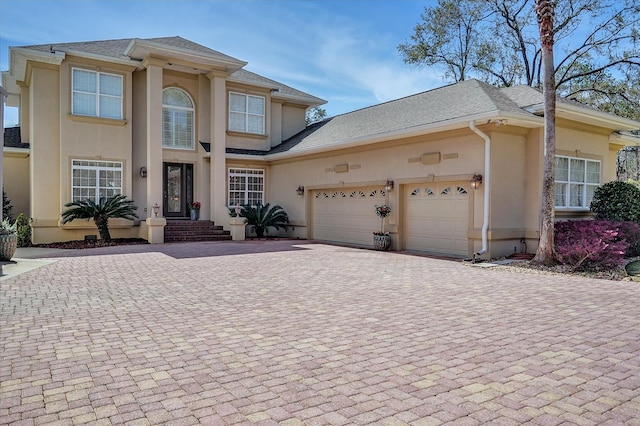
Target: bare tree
(497, 41)
(546, 251)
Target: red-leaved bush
(593, 244)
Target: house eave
(121, 61)
(18, 58)
(624, 139)
(142, 49)
(521, 120)
(276, 94)
(16, 152)
(588, 116)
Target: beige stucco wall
(395, 160)
(44, 103)
(15, 179)
(139, 147)
(293, 120)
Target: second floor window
(177, 119)
(246, 113)
(96, 94)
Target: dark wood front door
(178, 189)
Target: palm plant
(116, 206)
(261, 217)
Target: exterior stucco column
(154, 133)
(218, 199)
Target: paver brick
(196, 334)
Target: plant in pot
(194, 210)
(261, 217)
(382, 240)
(8, 240)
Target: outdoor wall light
(143, 172)
(156, 209)
(389, 185)
(238, 209)
(475, 181)
(300, 190)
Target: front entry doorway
(178, 189)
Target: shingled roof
(12, 138)
(456, 101)
(115, 49)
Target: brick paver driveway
(298, 333)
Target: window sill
(172, 148)
(562, 212)
(97, 120)
(247, 135)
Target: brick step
(194, 230)
(187, 238)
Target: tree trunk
(103, 229)
(546, 253)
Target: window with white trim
(246, 186)
(95, 180)
(178, 122)
(246, 113)
(96, 94)
(576, 181)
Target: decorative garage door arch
(347, 215)
(436, 217)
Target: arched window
(178, 116)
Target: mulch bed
(87, 244)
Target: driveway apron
(292, 332)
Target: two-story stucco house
(169, 121)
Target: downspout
(487, 183)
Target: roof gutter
(487, 183)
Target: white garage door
(347, 215)
(437, 217)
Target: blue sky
(344, 51)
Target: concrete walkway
(290, 333)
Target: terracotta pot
(8, 245)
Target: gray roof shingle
(115, 49)
(12, 138)
(455, 101)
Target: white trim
(248, 114)
(98, 169)
(243, 173)
(180, 108)
(97, 93)
(584, 185)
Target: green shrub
(7, 207)
(617, 201)
(260, 217)
(24, 231)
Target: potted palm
(8, 240)
(382, 240)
